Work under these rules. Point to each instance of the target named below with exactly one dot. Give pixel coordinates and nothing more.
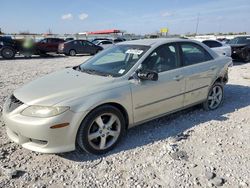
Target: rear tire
(215, 97)
(8, 53)
(101, 130)
(72, 52)
(42, 54)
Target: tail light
(61, 46)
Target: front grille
(13, 103)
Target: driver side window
(162, 59)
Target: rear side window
(212, 44)
(57, 40)
(106, 42)
(193, 54)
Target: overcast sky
(134, 16)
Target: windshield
(115, 61)
(240, 40)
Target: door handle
(178, 78)
(212, 68)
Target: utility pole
(197, 24)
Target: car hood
(59, 86)
(238, 45)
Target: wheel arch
(221, 79)
(120, 107)
(72, 49)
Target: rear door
(199, 69)
(55, 43)
(52, 45)
(77, 46)
(42, 45)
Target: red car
(48, 45)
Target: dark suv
(48, 45)
(240, 48)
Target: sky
(133, 16)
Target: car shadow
(47, 56)
(238, 63)
(236, 97)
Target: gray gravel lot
(191, 148)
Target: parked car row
(237, 48)
(10, 47)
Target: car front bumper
(36, 134)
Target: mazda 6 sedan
(92, 105)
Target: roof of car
(151, 42)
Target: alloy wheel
(72, 52)
(7, 53)
(215, 97)
(104, 131)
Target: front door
(198, 69)
(155, 98)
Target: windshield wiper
(92, 71)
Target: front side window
(240, 40)
(193, 54)
(43, 41)
(162, 59)
(114, 61)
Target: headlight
(44, 111)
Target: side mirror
(147, 75)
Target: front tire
(101, 130)
(8, 53)
(246, 56)
(215, 97)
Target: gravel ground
(191, 148)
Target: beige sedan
(92, 105)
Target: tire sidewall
(206, 105)
(70, 53)
(82, 134)
(7, 48)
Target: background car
(74, 47)
(98, 39)
(47, 45)
(119, 40)
(218, 47)
(240, 48)
(104, 43)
